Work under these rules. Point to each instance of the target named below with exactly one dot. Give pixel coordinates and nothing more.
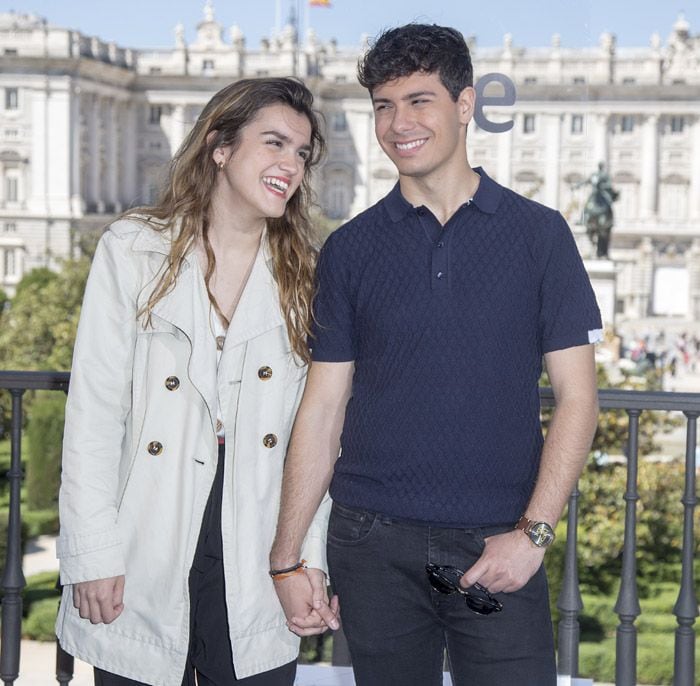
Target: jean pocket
(347, 526)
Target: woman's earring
(220, 165)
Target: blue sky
(149, 23)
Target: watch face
(541, 534)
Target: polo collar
(487, 197)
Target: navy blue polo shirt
(447, 327)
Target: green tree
(45, 434)
(38, 330)
(612, 434)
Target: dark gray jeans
(398, 627)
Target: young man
(434, 310)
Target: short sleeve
(569, 314)
(334, 314)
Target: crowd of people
(675, 354)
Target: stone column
(129, 171)
(552, 124)
(504, 168)
(76, 191)
(111, 155)
(599, 131)
(94, 155)
(360, 124)
(650, 167)
(645, 277)
(693, 264)
(38, 191)
(694, 198)
(58, 153)
(177, 127)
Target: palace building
(87, 129)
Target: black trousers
(398, 627)
(210, 661)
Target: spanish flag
(319, 3)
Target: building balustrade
(569, 603)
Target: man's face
(419, 126)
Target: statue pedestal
(604, 280)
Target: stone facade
(87, 128)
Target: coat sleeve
(97, 411)
(313, 549)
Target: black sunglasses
(445, 579)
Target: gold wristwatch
(540, 533)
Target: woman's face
(267, 167)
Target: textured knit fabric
(447, 327)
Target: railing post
(627, 605)
(65, 664)
(569, 601)
(13, 579)
(686, 607)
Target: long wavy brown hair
(185, 200)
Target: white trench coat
(140, 453)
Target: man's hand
(101, 600)
(507, 563)
(304, 600)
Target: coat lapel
(186, 308)
(258, 309)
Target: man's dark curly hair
(418, 48)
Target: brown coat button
(264, 373)
(270, 440)
(172, 383)
(219, 425)
(155, 447)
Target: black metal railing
(627, 606)
(569, 602)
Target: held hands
(101, 600)
(507, 563)
(304, 600)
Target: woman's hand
(101, 600)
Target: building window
(627, 123)
(579, 79)
(340, 78)
(629, 80)
(154, 114)
(677, 124)
(10, 263)
(11, 98)
(577, 123)
(530, 80)
(339, 121)
(207, 66)
(10, 227)
(529, 123)
(11, 189)
(10, 51)
(155, 70)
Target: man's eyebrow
(283, 137)
(409, 96)
(417, 94)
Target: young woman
(189, 364)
